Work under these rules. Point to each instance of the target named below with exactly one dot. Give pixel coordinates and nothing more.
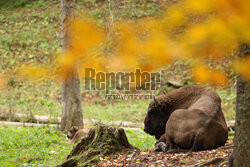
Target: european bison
(76, 133)
(187, 119)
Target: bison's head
(72, 131)
(156, 118)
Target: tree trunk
(71, 95)
(241, 152)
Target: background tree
(71, 94)
(241, 156)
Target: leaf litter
(137, 158)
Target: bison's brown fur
(187, 119)
(76, 133)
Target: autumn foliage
(201, 30)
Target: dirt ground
(216, 157)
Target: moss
(71, 161)
(101, 140)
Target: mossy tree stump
(102, 140)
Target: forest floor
(216, 157)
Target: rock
(176, 81)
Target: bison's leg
(196, 145)
(177, 151)
(161, 145)
(165, 144)
(162, 139)
(174, 148)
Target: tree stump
(101, 140)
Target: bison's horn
(155, 100)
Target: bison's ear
(75, 128)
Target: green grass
(23, 146)
(47, 146)
(29, 33)
(41, 99)
(228, 98)
(140, 139)
(44, 99)
(132, 111)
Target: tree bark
(71, 95)
(241, 152)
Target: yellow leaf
(200, 73)
(99, 63)
(211, 39)
(143, 153)
(33, 71)
(84, 34)
(210, 156)
(200, 6)
(66, 60)
(106, 157)
(174, 17)
(157, 48)
(3, 81)
(203, 74)
(242, 67)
